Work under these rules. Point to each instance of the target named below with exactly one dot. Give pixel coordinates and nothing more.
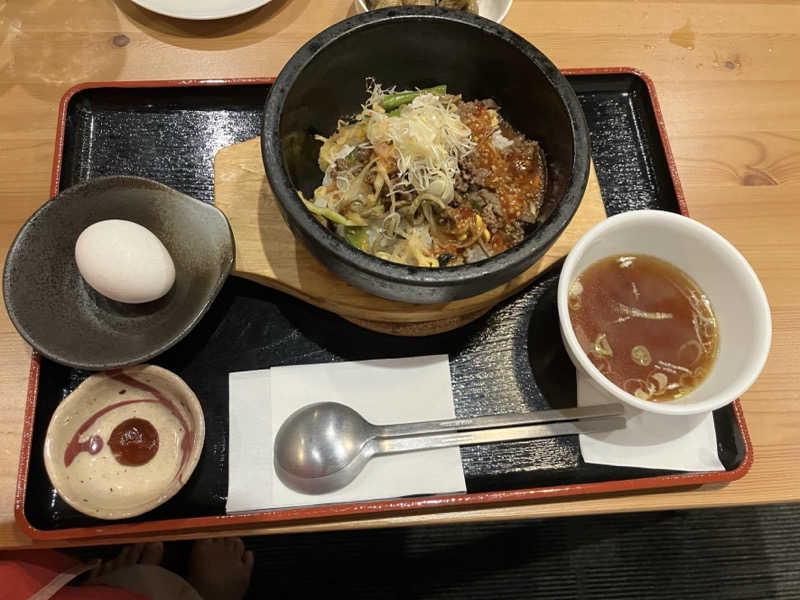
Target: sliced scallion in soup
(645, 325)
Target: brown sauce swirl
(94, 444)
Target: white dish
(201, 10)
(736, 295)
(496, 10)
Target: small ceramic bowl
(92, 481)
(495, 10)
(65, 319)
(736, 295)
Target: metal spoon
(322, 447)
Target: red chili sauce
(133, 442)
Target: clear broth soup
(645, 325)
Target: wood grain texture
(268, 253)
(730, 106)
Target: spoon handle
(507, 420)
(483, 436)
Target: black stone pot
(421, 47)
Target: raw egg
(124, 261)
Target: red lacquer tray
(103, 129)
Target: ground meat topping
(503, 185)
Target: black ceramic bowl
(62, 317)
(421, 47)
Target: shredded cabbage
(428, 138)
(420, 144)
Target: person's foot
(150, 553)
(220, 568)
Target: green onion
(392, 101)
(356, 237)
(327, 213)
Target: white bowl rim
(166, 8)
(736, 388)
(361, 6)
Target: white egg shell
(124, 261)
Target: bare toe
(220, 568)
(135, 554)
(152, 553)
(237, 546)
(120, 560)
(132, 554)
(97, 570)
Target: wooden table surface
(727, 78)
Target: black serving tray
(510, 360)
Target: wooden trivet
(268, 253)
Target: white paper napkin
(649, 440)
(383, 391)
(249, 441)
